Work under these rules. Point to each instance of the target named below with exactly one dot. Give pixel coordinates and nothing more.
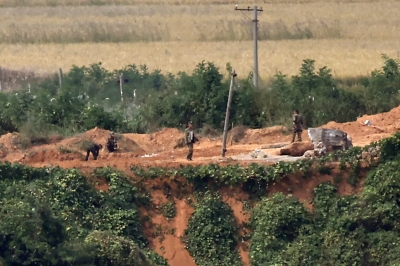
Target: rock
(259, 154)
(309, 154)
(366, 155)
(297, 148)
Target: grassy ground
(43, 35)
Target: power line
(255, 39)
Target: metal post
(255, 39)
(120, 86)
(228, 107)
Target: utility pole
(228, 108)
(255, 39)
(120, 86)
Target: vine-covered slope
(55, 216)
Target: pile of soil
(297, 148)
(10, 142)
(164, 140)
(100, 136)
(383, 125)
(266, 135)
(45, 155)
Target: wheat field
(348, 36)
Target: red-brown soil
(165, 150)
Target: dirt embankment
(165, 234)
(165, 148)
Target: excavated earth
(164, 148)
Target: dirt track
(160, 149)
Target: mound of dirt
(265, 135)
(100, 136)
(44, 155)
(9, 142)
(383, 125)
(297, 148)
(164, 140)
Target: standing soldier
(190, 138)
(297, 125)
(94, 149)
(112, 142)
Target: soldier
(111, 142)
(94, 149)
(190, 138)
(297, 125)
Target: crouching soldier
(112, 143)
(94, 149)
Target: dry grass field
(347, 36)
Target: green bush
(210, 236)
(48, 213)
(275, 222)
(90, 96)
(342, 230)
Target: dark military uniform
(190, 138)
(297, 126)
(94, 149)
(111, 143)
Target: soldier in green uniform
(190, 139)
(94, 149)
(297, 125)
(111, 142)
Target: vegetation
(168, 210)
(89, 98)
(344, 230)
(211, 233)
(52, 216)
(56, 216)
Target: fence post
(120, 86)
(1, 79)
(60, 77)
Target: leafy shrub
(168, 210)
(49, 212)
(390, 147)
(211, 233)
(275, 222)
(117, 250)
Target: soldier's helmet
(190, 122)
(112, 133)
